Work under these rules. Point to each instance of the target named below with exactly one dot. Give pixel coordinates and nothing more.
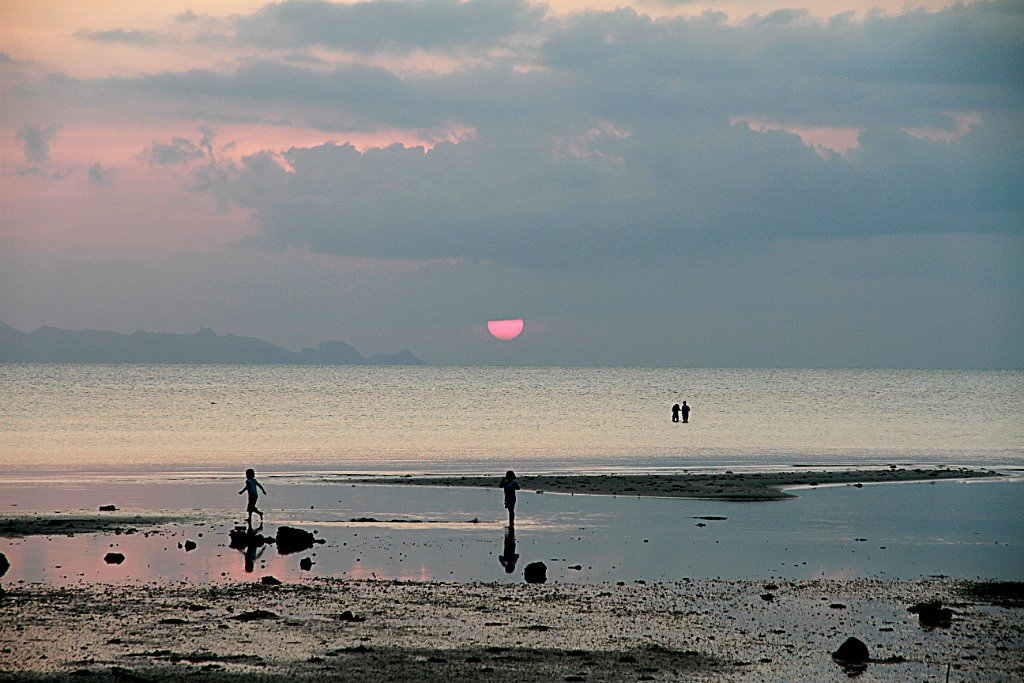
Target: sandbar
(727, 485)
(58, 524)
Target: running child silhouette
(251, 485)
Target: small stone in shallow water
(254, 615)
(113, 558)
(348, 616)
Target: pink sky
(144, 210)
(603, 166)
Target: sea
(388, 419)
(175, 440)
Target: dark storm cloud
(976, 43)
(35, 142)
(627, 198)
(788, 63)
(388, 25)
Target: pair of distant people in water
(683, 410)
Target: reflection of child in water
(252, 553)
(510, 486)
(509, 557)
(251, 485)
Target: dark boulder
(852, 650)
(932, 614)
(536, 572)
(113, 558)
(293, 540)
(269, 580)
(190, 546)
(305, 564)
(4, 564)
(852, 656)
(108, 508)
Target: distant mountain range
(205, 347)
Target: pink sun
(505, 329)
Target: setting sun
(505, 329)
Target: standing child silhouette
(510, 486)
(251, 485)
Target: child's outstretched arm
(261, 488)
(242, 491)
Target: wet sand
(728, 485)
(383, 630)
(379, 630)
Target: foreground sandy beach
(381, 630)
(738, 486)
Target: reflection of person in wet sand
(510, 486)
(251, 485)
(509, 557)
(252, 553)
(250, 543)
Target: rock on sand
(536, 572)
(293, 540)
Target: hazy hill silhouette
(205, 347)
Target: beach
(385, 630)
(366, 620)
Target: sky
(735, 183)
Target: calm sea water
(436, 419)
